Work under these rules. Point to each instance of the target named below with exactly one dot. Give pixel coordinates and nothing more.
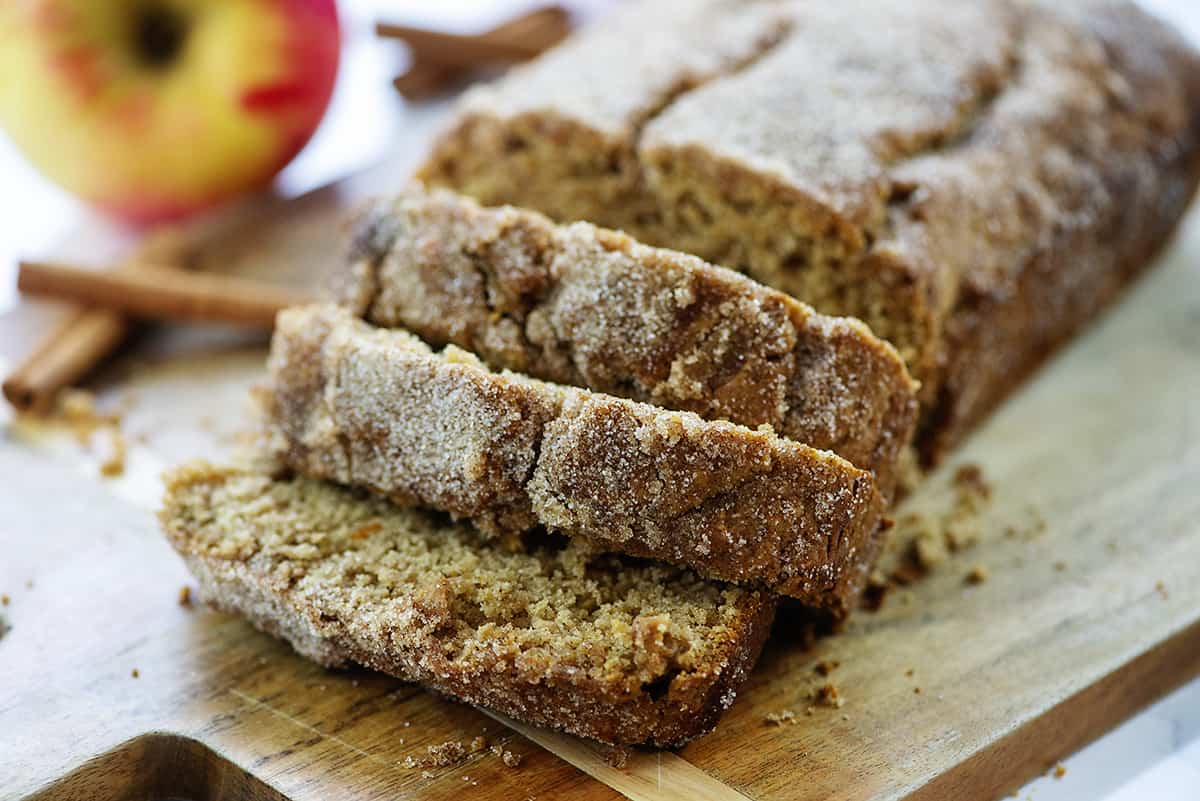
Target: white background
(1153, 757)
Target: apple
(155, 109)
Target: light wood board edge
(646, 775)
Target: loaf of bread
(593, 308)
(974, 180)
(618, 650)
(376, 408)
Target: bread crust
(593, 308)
(377, 408)
(975, 195)
(292, 556)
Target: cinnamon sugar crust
(377, 408)
(973, 180)
(593, 308)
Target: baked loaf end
(593, 308)
(620, 651)
(376, 408)
(565, 125)
(973, 180)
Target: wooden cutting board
(112, 689)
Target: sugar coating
(589, 307)
(377, 408)
(618, 650)
(972, 180)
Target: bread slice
(593, 308)
(614, 649)
(972, 180)
(377, 408)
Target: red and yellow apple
(154, 109)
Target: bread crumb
(827, 666)
(136, 673)
(927, 552)
(916, 690)
(185, 595)
(969, 477)
(1161, 588)
(4, 627)
(510, 759)
(442, 755)
(829, 695)
(1060, 770)
(977, 575)
(4, 599)
(114, 464)
(1060, 566)
(876, 591)
(922, 543)
(425, 774)
(910, 672)
(478, 744)
(76, 408)
(780, 718)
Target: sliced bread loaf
(618, 650)
(593, 308)
(973, 180)
(377, 408)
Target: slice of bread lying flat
(377, 408)
(601, 646)
(593, 308)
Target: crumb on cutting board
(114, 463)
(978, 574)
(827, 666)
(1060, 770)
(923, 542)
(185, 595)
(76, 409)
(442, 755)
(781, 717)
(829, 695)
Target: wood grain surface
(1090, 610)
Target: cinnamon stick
(517, 40)
(455, 50)
(64, 356)
(539, 29)
(163, 293)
